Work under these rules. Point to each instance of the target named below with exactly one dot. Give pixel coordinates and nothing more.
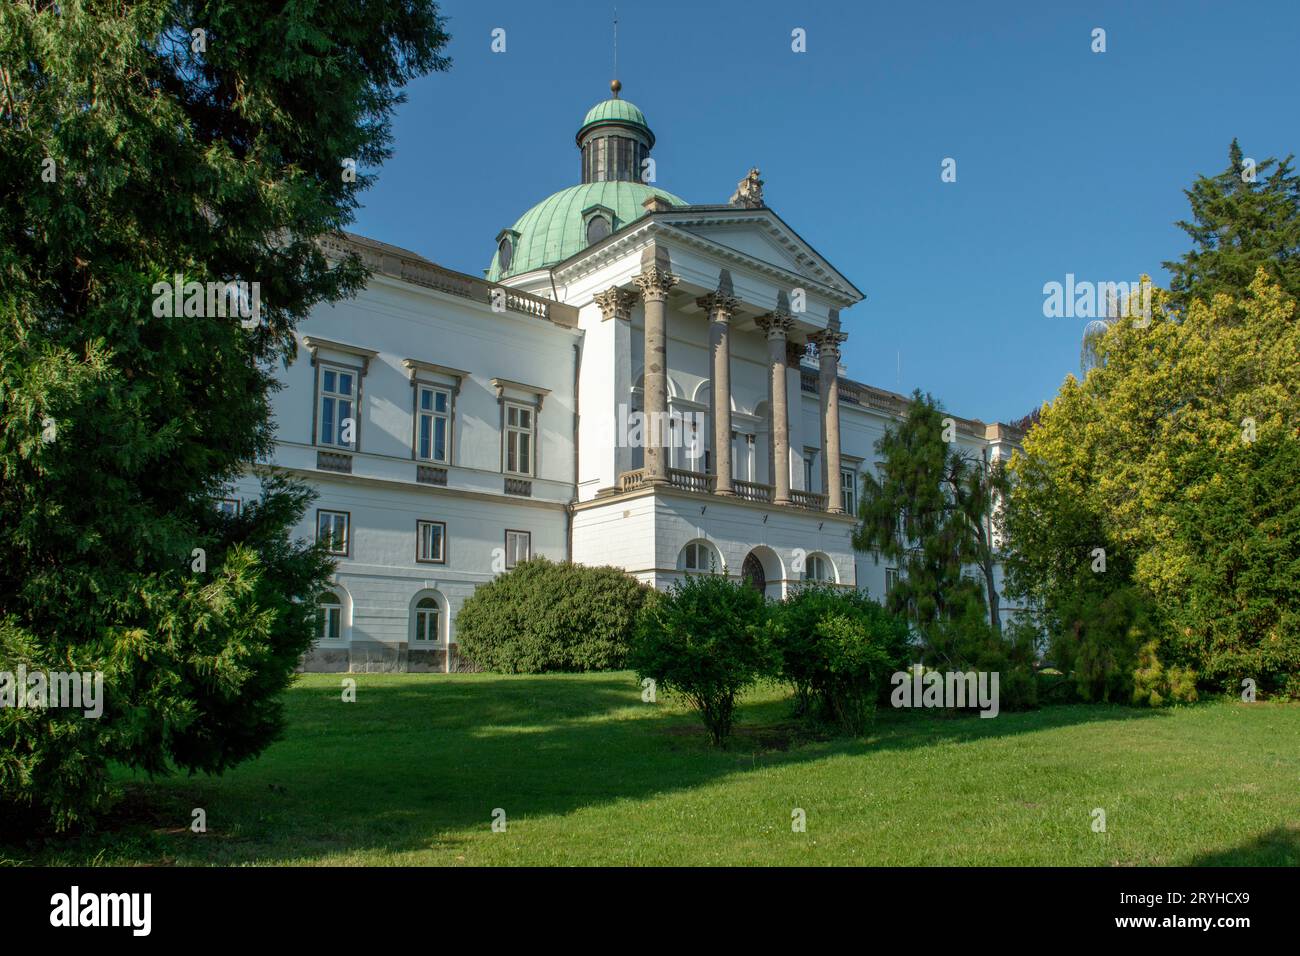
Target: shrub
(542, 616)
(707, 639)
(856, 665)
(1053, 687)
(967, 642)
(1099, 641)
(837, 649)
(1013, 655)
(1155, 685)
(1109, 646)
(798, 639)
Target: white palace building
(453, 425)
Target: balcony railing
(632, 480)
(752, 491)
(808, 499)
(677, 477)
(705, 484)
(690, 480)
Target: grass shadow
(419, 759)
(1278, 847)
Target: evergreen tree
(1242, 218)
(927, 513)
(138, 143)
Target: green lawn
(588, 774)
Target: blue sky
(1068, 161)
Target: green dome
(554, 229)
(616, 111)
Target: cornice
(636, 234)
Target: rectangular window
(891, 579)
(433, 424)
(431, 542)
(337, 404)
(332, 531)
(519, 547)
(519, 439)
(229, 506)
(849, 491)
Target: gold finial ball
(615, 87)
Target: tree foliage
(1242, 218)
(1176, 455)
(929, 512)
(140, 142)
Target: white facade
(529, 382)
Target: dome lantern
(615, 140)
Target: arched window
(699, 556)
(818, 567)
(505, 254)
(597, 229)
(329, 616)
(427, 617)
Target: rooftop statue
(749, 191)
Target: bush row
(709, 638)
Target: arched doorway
(762, 570)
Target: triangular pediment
(759, 234)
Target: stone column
(828, 352)
(720, 306)
(777, 324)
(654, 281)
(613, 337)
(794, 352)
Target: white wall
(380, 574)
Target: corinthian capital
(775, 324)
(656, 276)
(828, 340)
(655, 282)
(720, 305)
(615, 303)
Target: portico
(723, 316)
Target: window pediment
(315, 345)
